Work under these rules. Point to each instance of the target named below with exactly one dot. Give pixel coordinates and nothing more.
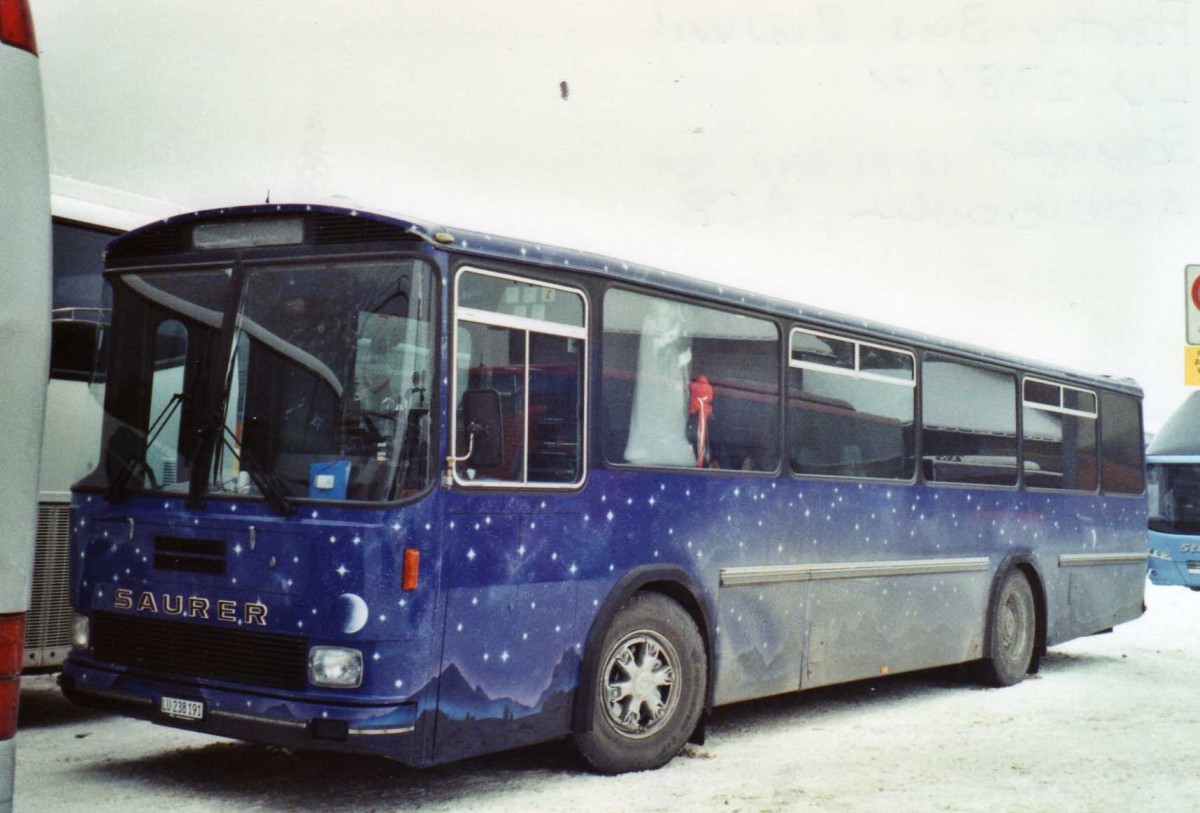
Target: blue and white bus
(1173, 474)
(24, 344)
(375, 485)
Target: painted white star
(471, 554)
(341, 571)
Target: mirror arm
(451, 460)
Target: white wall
(1016, 174)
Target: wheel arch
(1023, 561)
(673, 582)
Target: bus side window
(687, 386)
(969, 420)
(520, 345)
(1058, 428)
(851, 408)
(1120, 444)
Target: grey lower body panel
(800, 626)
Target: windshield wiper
(136, 462)
(269, 484)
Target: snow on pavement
(1110, 723)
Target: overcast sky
(1020, 174)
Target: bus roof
(479, 244)
(1180, 435)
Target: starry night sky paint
(522, 576)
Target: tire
(1012, 632)
(649, 685)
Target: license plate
(181, 709)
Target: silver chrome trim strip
(111, 695)
(369, 732)
(775, 574)
(1086, 559)
(251, 718)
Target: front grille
(168, 238)
(48, 623)
(186, 555)
(332, 229)
(200, 651)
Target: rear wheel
(649, 687)
(1013, 631)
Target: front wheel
(649, 687)
(1013, 626)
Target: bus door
(511, 649)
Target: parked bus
(86, 218)
(1173, 472)
(374, 485)
(70, 437)
(24, 344)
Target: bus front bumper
(388, 729)
(1174, 559)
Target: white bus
(85, 218)
(24, 344)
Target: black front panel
(196, 650)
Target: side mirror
(481, 433)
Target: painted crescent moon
(353, 611)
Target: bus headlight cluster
(1158, 554)
(335, 666)
(81, 632)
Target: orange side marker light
(412, 565)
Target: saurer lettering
(248, 612)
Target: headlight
(80, 632)
(335, 666)
(1158, 554)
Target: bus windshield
(1174, 493)
(306, 381)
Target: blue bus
(375, 485)
(1173, 475)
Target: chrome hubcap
(1012, 627)
(639, 684)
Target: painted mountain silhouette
(459, 699)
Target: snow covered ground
(1110, 723)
